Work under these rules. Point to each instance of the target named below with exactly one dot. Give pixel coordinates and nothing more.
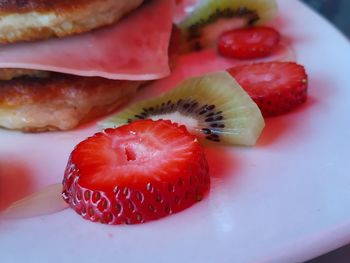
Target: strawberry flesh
(136, 173)
(276, 87)
(248, 43)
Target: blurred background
(338, 13)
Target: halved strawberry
(276, 87)
(135, 173)
(248, 43)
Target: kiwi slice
(210, 18)
(214, 107)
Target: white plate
(285, 200)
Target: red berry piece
(139, 172)
(248, 43)
(175, 42)
(276, 87)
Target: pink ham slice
(136, 48)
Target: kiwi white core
(177, 117)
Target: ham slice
(136, 48)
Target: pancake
(60, 102)
(11, 73)
(35, 99)
(27, 20)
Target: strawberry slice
(276, 87)
(248, 43)
(136, 173)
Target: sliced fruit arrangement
(211, 17)
(213, 107)
(152, 164)
(276, 87)
(248, 43)
(136, 173)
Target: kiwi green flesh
(222, 111)
(211, 11)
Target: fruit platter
(226, 140)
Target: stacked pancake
(65, 62)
